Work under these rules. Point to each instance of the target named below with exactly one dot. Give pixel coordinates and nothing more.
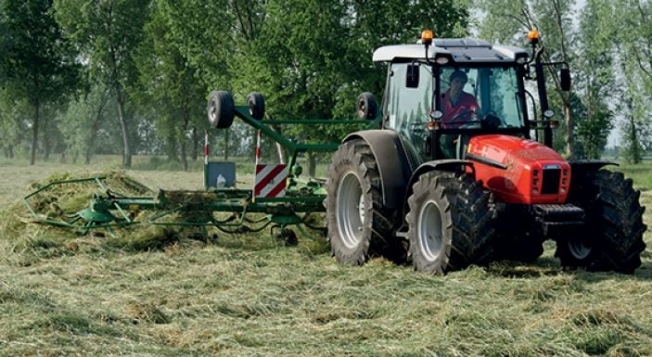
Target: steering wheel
(491, 120)
(463, 115)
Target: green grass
(244, 295)
(641, 174)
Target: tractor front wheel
(359, 226)
(449, 223)
(612, 237)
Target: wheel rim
(361, 109)
(350, 210)
(578, 248)
(430, 231)
(212, 112)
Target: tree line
(86, 77)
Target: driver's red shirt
(466, 101)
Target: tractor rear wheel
(359, 226)
(612, 238)
(449, 223)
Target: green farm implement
(279, 196)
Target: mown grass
(245, 295)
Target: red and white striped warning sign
(270, 180)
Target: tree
(507, 22)
(107, 32)
(81, 122)
(12, 124)
(208, 44)
(169, 85)
(595, 78)
(633, 47)
(315, 57)
(37, 64)
(377, 23)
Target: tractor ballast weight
(449, 190)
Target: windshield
(471, 94)
(481, 98)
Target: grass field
(244, 295)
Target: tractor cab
(457, 88)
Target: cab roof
(460, 50)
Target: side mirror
(565, 79)
(412, 78)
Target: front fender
(451, 165)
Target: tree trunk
(312, 164)
(9, 151)
(226, 145)
(184, 155)
(634, 148)
(171, 148)
(184, 140)
(195, 144)
(37, 104)
(47, 143)
(279, 147)
(568, 118)
(126, 158)
(90, 145)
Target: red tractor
(458, 175)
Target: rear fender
(395, 164)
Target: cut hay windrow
(145, 219)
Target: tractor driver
(457, 105)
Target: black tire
(221, 109)
(353, 195)
(367, 106)
(452, 208)
(612, 238)
(287, 237)
(256, 103)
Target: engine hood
(519, 170)
(505, 149)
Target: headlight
(437, 115)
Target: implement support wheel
(221, 109)
(367, 106)
(256, 103)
